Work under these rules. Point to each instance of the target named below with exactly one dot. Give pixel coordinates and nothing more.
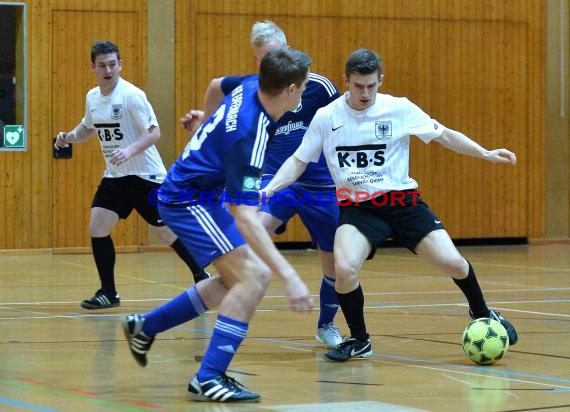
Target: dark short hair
(104, 47)
(363, 61)
(281, 68)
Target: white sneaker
(329, 335)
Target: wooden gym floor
(55, 356)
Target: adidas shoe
(350, 348)
(139, 342)
(511, 331)
(220, 389)
(102, 300)
(329, 335)
(201, 276)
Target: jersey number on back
(196, 142)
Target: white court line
(449, 292)
(451, 378)
(297, 349)
(502, 309)
(446, 292)
(531, 312)
(75, 302)
(261, 310)
(412, 363)
(478, 375)
(499, 265)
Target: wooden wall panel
(75, 180)
(475, 66)
(20, 224)
(25, 189)
(45, 203)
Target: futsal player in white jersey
(124, 120)
(365, 138)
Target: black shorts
(407, 220)
(123, 194)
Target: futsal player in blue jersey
(222, 163)
(313, 196)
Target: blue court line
(26, 405)
(487, 369)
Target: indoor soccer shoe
(139, 342)
(329, 335)
(349, 349)
(102, 300)
(511, 331)
(220, 389)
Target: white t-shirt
(119, 119)
(368, 150)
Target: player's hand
(62, 140)
(120, 156)
(191, 121)
(299, 299)
(501, 156)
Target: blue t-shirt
(291, 128)
(226, 154)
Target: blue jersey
(292, 126)
(226, 154)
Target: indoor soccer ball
(485, 341)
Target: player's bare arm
(79, 134)
(287, 174)
(213, 96)
(143, 142)
(458, 142)
(259, 240)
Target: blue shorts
(207, 231)
(317, 209)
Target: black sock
(472, 291)
(181, 251)
(104, 255)
(352, 305)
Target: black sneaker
(350, 348)
(220, 389)
(102, 300)
(511, 331)
(201, 276)
(139, 342)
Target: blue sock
(186, 306)
(329, 301)
(224, 343)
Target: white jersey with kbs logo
(368, 150)
(119, 119)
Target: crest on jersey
(117, 111)
(383, 129)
